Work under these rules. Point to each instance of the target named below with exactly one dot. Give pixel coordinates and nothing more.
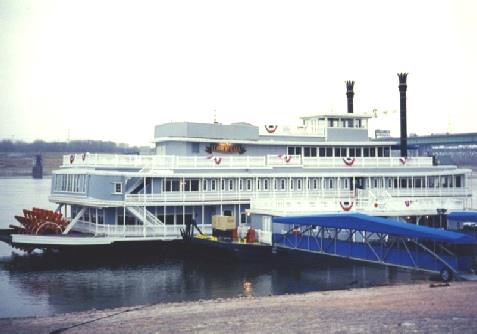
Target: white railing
(265, 237)
(373, 194)
(165, 231)
(390, 205)
(185, 196)
(294, 131)
(367, 162)
(171, 162)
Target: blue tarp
(362, 222)
(466, 216)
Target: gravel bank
(395, 309)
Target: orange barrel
(234, 234)
(251, 236)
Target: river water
(39, 284)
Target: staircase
(149, 219)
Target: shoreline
(398, 308)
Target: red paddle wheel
(40, 221)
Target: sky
(111, 70)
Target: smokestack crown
(402, 79)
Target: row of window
(313, 151)
(314, 183)
(75, 183)
(93, 215)
(336, 122)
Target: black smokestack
(349, 95)
(402, 93)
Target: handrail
(211, 161)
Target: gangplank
(378, 240)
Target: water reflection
(62, 285)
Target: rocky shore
(428, 308)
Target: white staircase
(148, 219)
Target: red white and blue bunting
(403, 160)
(346, 206)
(285, 157)
(349, 161)
(271, 128)
(215, 159)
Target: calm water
(40, 284)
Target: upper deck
(116, 161)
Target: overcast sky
(111, 70)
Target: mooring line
(61, 330)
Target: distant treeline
(92, 146)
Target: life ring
(72, 158)
(346, 207)
(271, 128)
(349, 161)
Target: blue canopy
(467, 216)
(362, 222)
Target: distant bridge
(449, 148)
(446, 139)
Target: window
(358, 151)
(322, 152)
(191, 185)
(100, 216)
(365, 151)
(306, 152)
(222, 185)
(265, 184)
(213, 184)
(228, 213)
(259, 184)
(387, 151)
(372, 151)
(118, 188)
(352, 152)
(313, 151)
(329, 151)
(204, 185)
(75, 183)
(298, 184)
(240, 184)
(294, 150)
(195, 147)
(292, 184)
(380, 152)
(172, 185)
(231, 184)
(249, 184)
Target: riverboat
(327, 165)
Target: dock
(432, 307)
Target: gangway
(379, 240)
